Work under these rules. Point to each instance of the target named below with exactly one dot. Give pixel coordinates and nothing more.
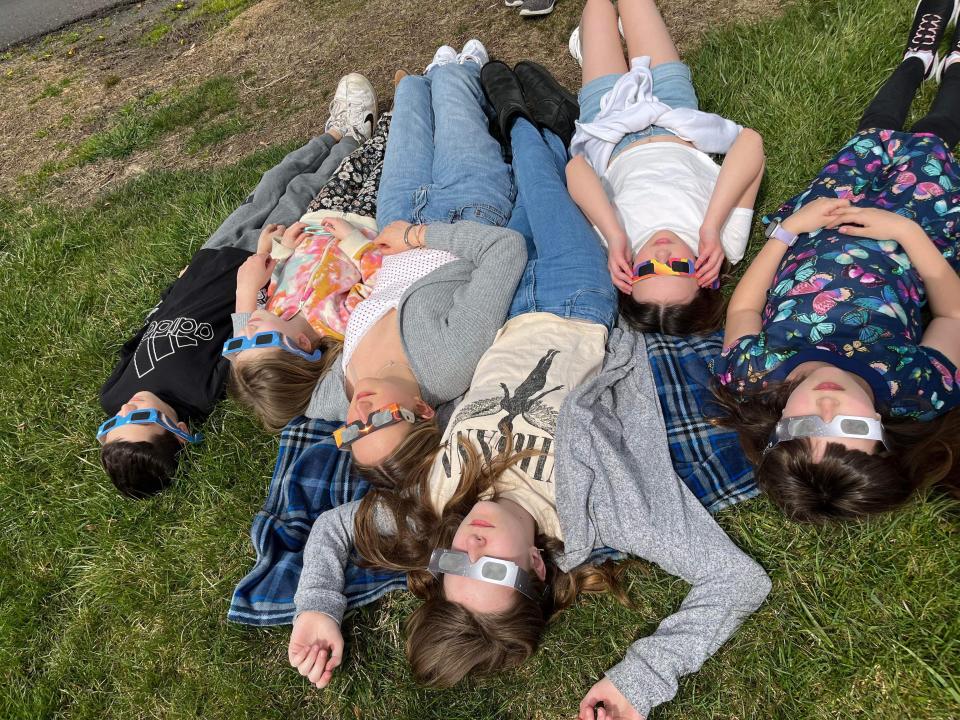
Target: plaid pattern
(707, 458)
(310, 477)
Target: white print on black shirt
(162, 339)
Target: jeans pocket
(481, 213)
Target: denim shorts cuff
(673, 69)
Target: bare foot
(398, 76)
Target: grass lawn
(117, 609)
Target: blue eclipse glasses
(268, 339)
(146, 417)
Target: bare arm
(739, 179)
(746, 304)
(943, 334)
(587, 192)
(939, 278)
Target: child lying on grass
(171, 372)
(319, 270)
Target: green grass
(117, 609)
(140, 123)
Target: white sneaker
(576, 51)
(444, 54)
(473, 51)
(945, 62)
(353, 110)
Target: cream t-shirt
(519, 385)
(668, 186)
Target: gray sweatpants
(283, 193)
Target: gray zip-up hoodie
(615, 487)
(447, 319)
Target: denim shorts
(671, 85)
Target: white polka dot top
(397, 273)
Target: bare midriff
(658, 138)
(381, 344)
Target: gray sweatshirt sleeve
(324, 559)
(726, 586)
(498, 255)
(617, 486)
(329, 399)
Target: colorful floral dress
(857, 303)
(325, 279)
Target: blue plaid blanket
(312, 476)
(707, 458)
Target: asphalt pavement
(26, 19)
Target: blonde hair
(446, 641)
(277, 385)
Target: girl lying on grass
(316, 272)
(170, 374)
(642, 174)
(842, 392)
(492, 540)
(449, 272)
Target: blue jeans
(672, 85)
(566, 272)
(441, 163)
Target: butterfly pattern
(858, 299)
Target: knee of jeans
(411, 84)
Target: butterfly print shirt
(854, 302)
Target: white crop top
(667, 186)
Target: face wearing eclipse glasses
(676, 267)
(842, 426)
(268, 339)
(145, 417)
(486, 569)
(384, 417)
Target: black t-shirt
(176, 354)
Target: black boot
(503, 90)
(552, 105)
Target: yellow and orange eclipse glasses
(384, 417)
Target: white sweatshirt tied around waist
(631, 106)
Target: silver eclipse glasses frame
(486, 569)
(842, 426)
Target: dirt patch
(285, 55)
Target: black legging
(889, 108)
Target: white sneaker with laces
(576, 52)
(353, 110)
(444, 54)
(473, 51)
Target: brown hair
(845, 484)
(141, 469)
(410, 461)
(701, 316)
(278, 385)
(445, 641)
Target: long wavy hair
(845, 484)
(446, 641)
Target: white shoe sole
(528, 13)
(573, 45)
(513, 3)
